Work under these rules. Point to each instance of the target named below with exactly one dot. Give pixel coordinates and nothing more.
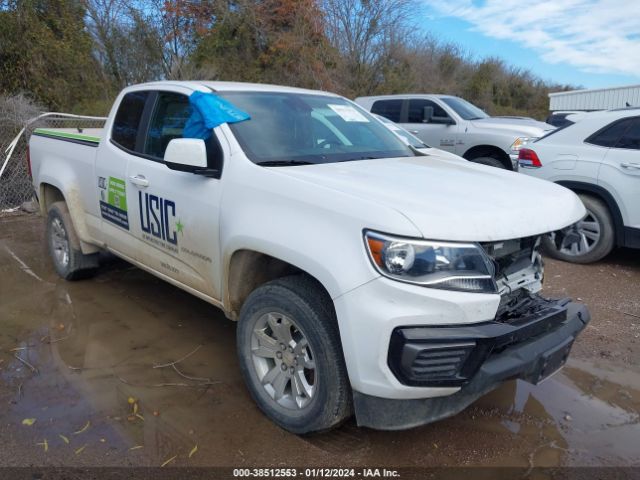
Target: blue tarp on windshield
(207, 112)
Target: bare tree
(125, 40)
(104, 17)
(366, 32)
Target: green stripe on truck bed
(71, 136)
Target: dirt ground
(93, 346)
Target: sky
(585, 43)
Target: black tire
(599, 211)
(489, 161)
(303, 301)
(60, 229)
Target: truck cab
(455, 125)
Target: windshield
(293, 128)
(401, 133)
(466, 110)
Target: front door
(437, 135)
(174, 214)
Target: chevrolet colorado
(365, 276)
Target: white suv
(598, 157)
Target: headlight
(521, 142)
(431, 263)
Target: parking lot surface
(88, 377)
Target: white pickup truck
(457, 126)
(366, 277)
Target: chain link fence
(15, 181)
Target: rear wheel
(64, 246)
(489, 161)
(586, 241)
(291, 356)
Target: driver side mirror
(188, 155)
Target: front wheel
(291, 356)
(586, 241)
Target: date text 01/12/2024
(315, 473)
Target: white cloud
(596, 36)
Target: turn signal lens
(375, 247)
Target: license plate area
(553, 360)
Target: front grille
(440, 361)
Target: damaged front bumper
(477, 358)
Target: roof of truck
(405, 95)
(229, 86)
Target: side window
(609, 135)
(125, 126)
(631, 138)
(416, 110)
(388, 108)
(170, 114)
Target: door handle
(415, 132)
(139, 180)
(630, 166)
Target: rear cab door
(121, 136)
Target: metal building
(595, 99)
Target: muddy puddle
(92, 364)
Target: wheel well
(48, 195)
(603, 195)
(248, 270)
(489, 151)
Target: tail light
(29, 163)
(528, 158)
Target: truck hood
(518, 126)
(451, 199)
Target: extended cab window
(127, 122)
(171, 113)
(609, 135)
(390, 109)
(631, 138)
(416, 110)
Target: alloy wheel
(59, 242)
(283, 361)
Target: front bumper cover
(529, 349)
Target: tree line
(75, 55)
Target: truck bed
(64, 158)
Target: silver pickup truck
(453, 124)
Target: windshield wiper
(284, 163)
